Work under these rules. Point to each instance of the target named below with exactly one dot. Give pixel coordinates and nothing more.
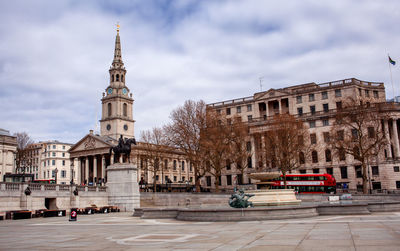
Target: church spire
(117, 51)
(117, 69)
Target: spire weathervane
(118, 27)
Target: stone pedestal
(273, 197)
(123, 188)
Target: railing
(11, 186)
(229, 102)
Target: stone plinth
(273, 197)
(123, 188)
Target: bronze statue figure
(240, 199)
(123, 147)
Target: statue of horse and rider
(123, 147)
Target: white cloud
(55, 55)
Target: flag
(391, 61)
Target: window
(238, 109)
(396, 169)
(300, 111)
(311, 97)
(342, 154)
(125, 109)
(324, 95)
(354, 134)
(249, 117)
(329, 170)
(371, 132)
(328, 155)
(302, 159)
(315, 170)
(63, 154)
(299, 100)
(48, 163)
(367, 93)
(229, 180)
(312, 124)
(117, 77)
(228, 111)
(358, 171)
(175, 179)
(376, 186)
(397, 184)
(339, 105)
(376, 94)
(208, 181)
(314, 155)
(325, 107)
(63, 162)
(109, 109)
(112, 78)
(228, 164)
(174, 164)
(325, 122)
(327, 137)
(303, 171)
(54, 154)
(249, 108)
(313, 138)
(249, 163)
(359, 92)
(157, 177)
(53, 162)
(63, 147)
(54, 146)
(338, 93)
(183, 165)
(343, 172)
(63, 173)
(375, 170)
(219, 111)
(248, 146)
(239, 179)
(312, 109)
(122, 78)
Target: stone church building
(90, 156)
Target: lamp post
(72, 171)
(55, 174)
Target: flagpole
(391, 78)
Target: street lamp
(55, 174)
(72, 171)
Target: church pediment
(90, 142)
(270, 94)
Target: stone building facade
(8, 150)
(91, 155)
(316, 105)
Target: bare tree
(240, 151)
(22, 159)
(359, 132)
(216, 142)
(188, 121)
(285, 146)
(153, 148)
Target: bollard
(73, 215)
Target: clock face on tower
(124, 91)
(126, 127)
(108, 127)
(110, 90)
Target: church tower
(117, 102)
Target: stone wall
(182, 199)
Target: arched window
(302, 159)
(109, 109)
(314, 156)
(328, 155)
(122, 78)
(112, 78)
(183, 165)
(125, 109)
(117, 77)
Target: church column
(79, 172)
(95, 170)
(387, 136)
(103, 167)
(395, 139)
(87, 170)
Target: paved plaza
(120, 231)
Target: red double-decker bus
(307, 183)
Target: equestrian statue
(123, 147)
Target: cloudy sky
(55, 55)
